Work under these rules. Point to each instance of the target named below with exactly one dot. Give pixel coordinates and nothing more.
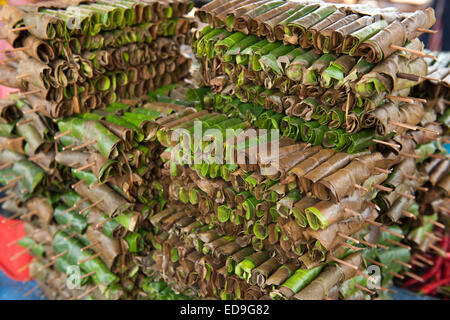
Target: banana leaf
(364, 139)
(206, 45)
(258, 54)
(135, 242)
(35, 249)
(298, 281)
(226, 44)
(418, 235)
(337, 71)
(63, 266)
(244, 268)
(33, 176)
(269, 62)
(353, 41)
(386, 257)
(239, 47)
(285, 205)
(297, 68)
(90, 130)
(291, 127)
(299, 27)
(361, 68)
(77, 222)
(74, 254)
(313, 73)
(300, 13)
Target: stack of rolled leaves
(425, 224)
(366, 110)
(309, 167)
(72, 58)
(327, 128)
(122, 187)
(317, 201)
(435, 88)
(85, 186)
(360, 31)
(212, 264)
(341, 68)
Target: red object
(436, 270)
(8, 235)
(447, 269)
(5, 91)
(432, 286)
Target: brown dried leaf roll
(8, 111)
(285, 163)
(108, 248)
(305, 203)
(240, 255)
(282, 153)
(422, 137)
(378, 47)
(37, 234)
(265, 24)
(353, 123)
(12, 144)
(100, 165)
(329, 238)
(112, 203)
(227, 250)
(183, 26)
(38, 49)
(293, 231)
(8, 77)
(11, 14)
(217, 18)
(157, 218)
(178, 122)
(243, 14)
(410, 114)
(42, 22)
(423, 19)
(332, 212)
(338, 36)
(299, 28)
(444, 185)
(40, 75)
(51, 109)
(242, 22)
(400, 205)
(45, 160)
(212, 7)
(42, 209)
(312, 35)
(342, 183)
(439, 172)
(323, 40)
(396, 178)
(281, 275)
(328, 278)
(313, 157)
(407, 187)
(180, 8)
(125, 134)
(248, 157)
(326, 168)
(72, 159)
(407, 145)
(401, 61)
